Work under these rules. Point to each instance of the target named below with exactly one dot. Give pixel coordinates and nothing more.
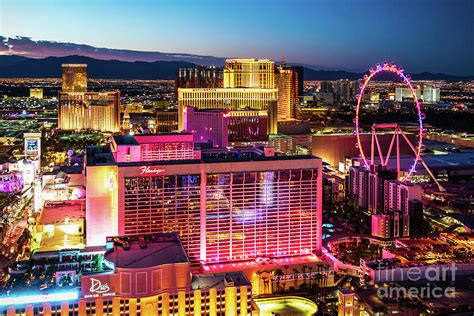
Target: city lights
(224, 158)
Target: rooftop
(136, 140)
(125, 140)
(145, 251)
(97, 156)
(219, 281)
(59, 211)
(216, 160)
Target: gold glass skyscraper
(249, 73)
(286, 81)
(82, 110)
(74, 78)
(98, 111)
(249, 84)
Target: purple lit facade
(207, 125)
(11, 182)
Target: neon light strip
(40, 298)
(399, 72)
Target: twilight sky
(420, 35)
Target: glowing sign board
(147, 170)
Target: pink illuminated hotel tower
(227, 205)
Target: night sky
(421, 35)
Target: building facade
(225, 98)
(207, 125)
(248, 85)
(82, 110)
(74, 78)
(391, 202)
(405, 93)
(166, 121)
(431, 94)
(199, 77)
(36, 93)
(98, 111)
(252, 125)
(358, 186)
(249, 73)
(287, 84)
(225, 209)
(134, 281)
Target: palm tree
(259, 273)
(278, 274)
(295, 280)
(286, 273)
(310, 268)
(303, 270)
(266, 284)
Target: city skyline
(236, 158)
(339, 35)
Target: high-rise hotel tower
(226, 204)
(249, 73)
(286, 81)
(82, 110)
(249, 86)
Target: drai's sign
(147, 170)
(98, 287)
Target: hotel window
(164, 204)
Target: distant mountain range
(50, 67)
(25, 46)
(13, 66)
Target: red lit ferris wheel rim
(390, 68)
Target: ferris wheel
(398, 133)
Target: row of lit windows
(92, 117)
(272, 212)
(269, 222)
(164, 204)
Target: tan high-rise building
(74, 78)
(36, 93)
(249, 84)
(82, 110)
(126, 126)
(286, 81)
(249, 73)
